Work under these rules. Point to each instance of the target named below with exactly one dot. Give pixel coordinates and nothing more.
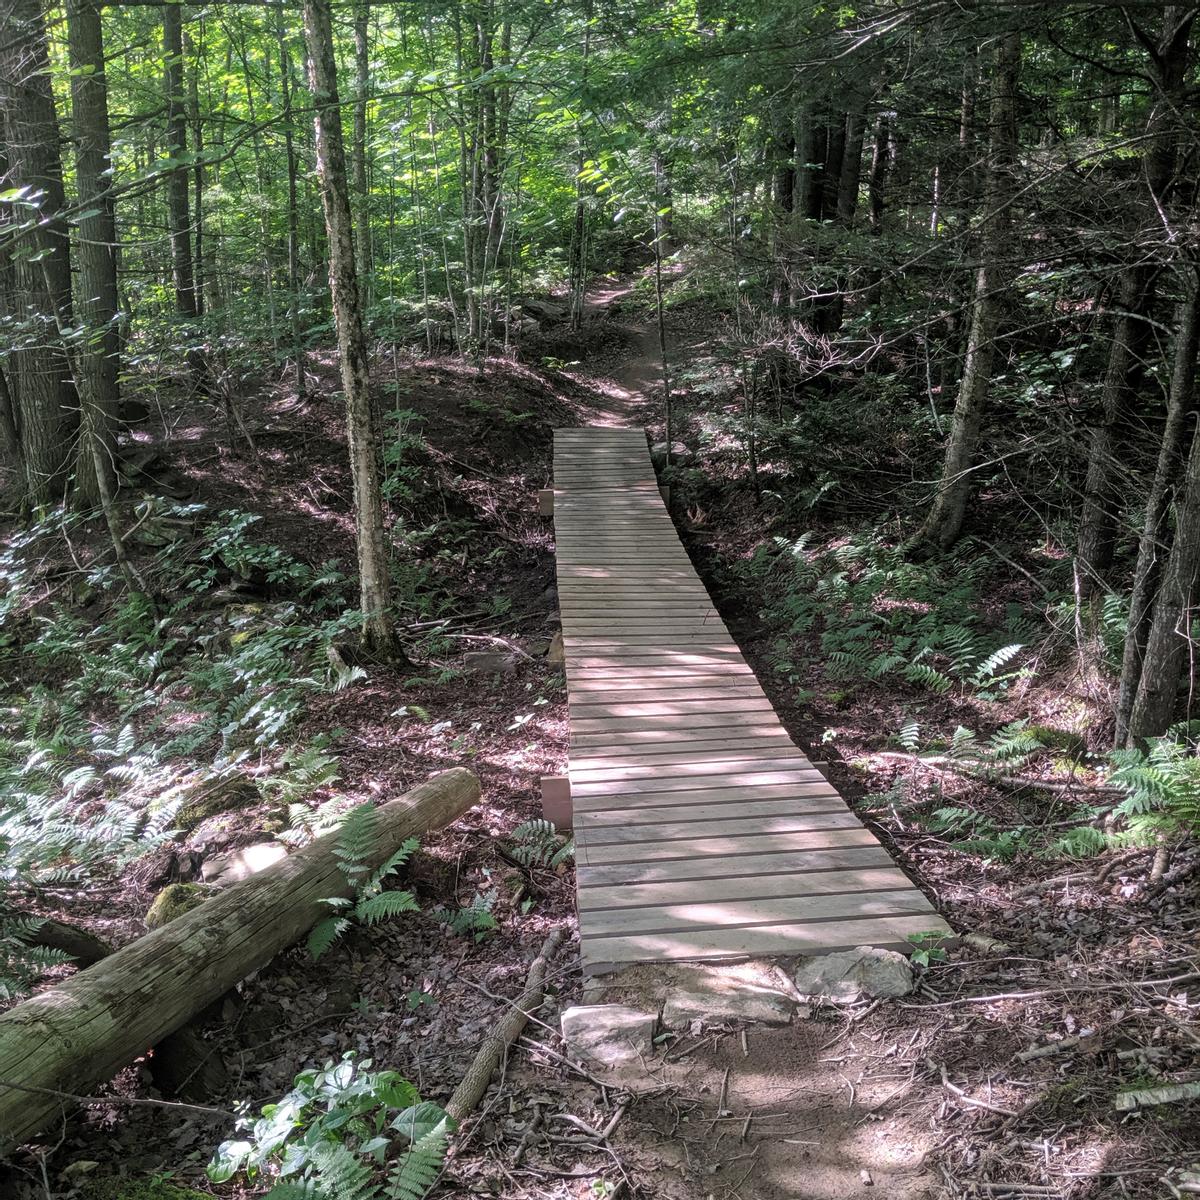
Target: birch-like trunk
(378, 636)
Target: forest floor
(948, 1094)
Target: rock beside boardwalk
(609, 1034)
(850, 975)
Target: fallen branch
(963, 769)
(479, 1074)
(1169, 1093)
(971, 1101)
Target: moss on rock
(173, 901)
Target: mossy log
(83, 1032)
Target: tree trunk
(362, 195)
(1102, 491)
(293, 214)
(1169, 637)
(178, 217)
(942, 526)
(851, 172)
(46, 407)
(1153, 539)
(378, 636)
(1170, 64)
(82, 1032)
(97, 307)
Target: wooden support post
(546, 502)
(664, 490)
(556, 800)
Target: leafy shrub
(332, 1135)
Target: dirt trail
(633, 380)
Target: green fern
(419, 1168)
(384, 906)
(537, 843)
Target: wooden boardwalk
(702, 831)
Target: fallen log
(83, 1032)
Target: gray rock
(609, 1034)
(851, 974)
(743, 1002)
(489, 662)
(680, 454)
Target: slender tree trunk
(1151, 545)
(178, 216)
(876, 183)
(1169, 637)
(97, 284)
(1170, 64)
(358, 158)
(942, 526)
(46, 405)
(378, 636)
(851, 173)
(293, 215)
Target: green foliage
(474, 920)
(537, 843)
(333, 1134)
(1161, 787)
(927, 948)
(150, 712)
(355, 847)
(881, 616)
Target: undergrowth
(881, 616)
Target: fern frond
(385, 905)
(418, 1169)
(324, 933)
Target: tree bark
(378, 636)
(97, 298)
(1154, 528)
(1169, 637)
(945, 520)
(178, 204)
(82, 1032)
(46, 408)
(293, 213)
(1169, 66)
(362, 195)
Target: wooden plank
(800, 938)
(592, 688)
(584, 768)
(730, 826)
(588, 798)
(624, 817)
(726, 847)
(625, 896)
(747, 866)
(734, 722)
(738, 777)
(672, 741)
(584, 709)
(700, 765)
(743, 914)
